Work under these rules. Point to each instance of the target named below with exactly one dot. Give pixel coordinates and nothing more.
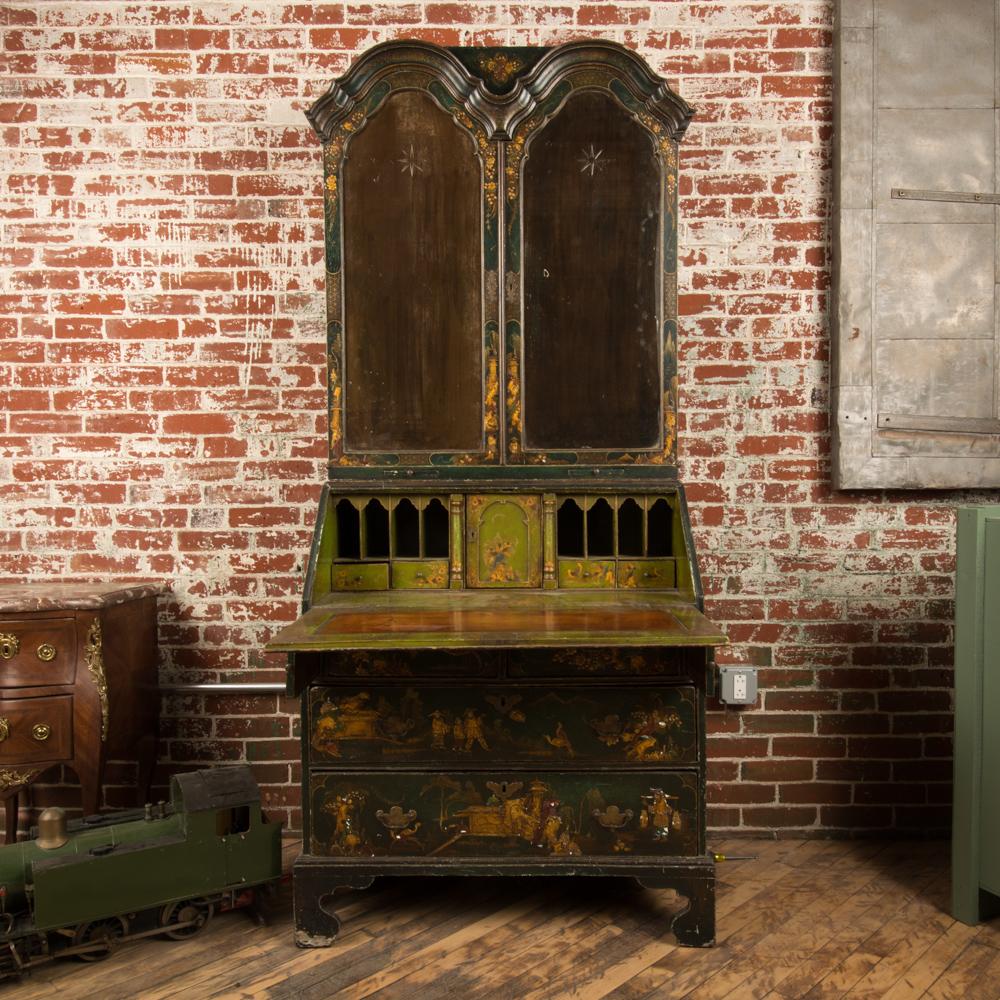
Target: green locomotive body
(86, 886)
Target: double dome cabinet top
(503, 660)
(501, 256)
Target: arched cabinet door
(411, 259)
(591, 262)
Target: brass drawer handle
(613, 818)
(398, 822)
(4, 729)
(9, 645)
(41, 731)
(46, 652)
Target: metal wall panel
(915, 307)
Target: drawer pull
(46, 652)
(9, 645)
(41, 731)
(504, 790)
(398, 822)
(612, 818)
(4, 729)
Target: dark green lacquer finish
(412, 664)
(532, 814)
(503, 659)
(575, 726)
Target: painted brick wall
(162, 353)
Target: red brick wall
(162, 379)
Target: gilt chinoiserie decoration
(502, 656)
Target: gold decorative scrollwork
(11, 778)
(500, 66)
(513, 392)
(4, 729)
(491, 423)
(93, 656)
(437, 577)
(9, 645)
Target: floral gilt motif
(500, 67)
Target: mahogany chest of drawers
(78, 684)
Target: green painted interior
(502, 538)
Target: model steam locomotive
(84, 887)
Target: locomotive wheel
(198, 910)
(107, 932)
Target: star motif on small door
(409, 162)
(591, 161)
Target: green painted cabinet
(976, 820)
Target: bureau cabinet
(502, 659)
(78, 685)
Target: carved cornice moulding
(500, 113)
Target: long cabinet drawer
(555, 724)
(504, 814)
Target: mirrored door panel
(591, 270)
(591, 219)
(412, 282)
(411, 220)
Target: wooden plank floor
(812, 919)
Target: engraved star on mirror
(590, 160)
(409, 163)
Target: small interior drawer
(36, 729)
(575, 573)
(658, 573)
(361, 576)
(37, 651)
(424, 574)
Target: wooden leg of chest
(314, 889)
(693, 927)
(10, 811)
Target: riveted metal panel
(934, 282)
(934, 55)
(915, 307)
(934, 150)
(952, 377)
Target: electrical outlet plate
(737, 685)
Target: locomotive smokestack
(52, 829)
